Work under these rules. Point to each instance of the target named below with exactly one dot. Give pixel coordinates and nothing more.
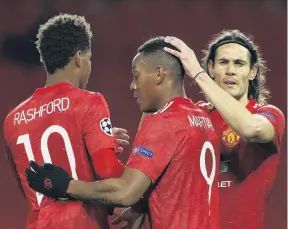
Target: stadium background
(119, 27)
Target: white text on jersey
(57, 105)
(224, 184)
(199, 121)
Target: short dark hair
(60, 38)
(156, 46)
(256, 89)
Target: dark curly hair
(256, 89)
(60, 38)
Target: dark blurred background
(119, 27)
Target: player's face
(232, 70)
(143, 84)
(86, 68)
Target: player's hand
(186, 56)
(48, 179)
(122, 138)
(132, 219)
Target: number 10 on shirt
(25, 139)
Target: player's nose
(230, 70)
(133, 86)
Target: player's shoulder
(86, 97)
(86, 93)
(154, 117)
(156, 126)
(9, 119)
(157, 121)
(95, 96)
(17, 108)
(268, 108)
(95, 104)
(174, 110)
(167, 112)
(163, 118)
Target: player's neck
(171, 94)
(60, 78)
(243, 100)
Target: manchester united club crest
(230, 138)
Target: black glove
(48, 179)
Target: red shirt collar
(177, 100)
(53, 87)
(181, 100)
(250, 104)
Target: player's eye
(223, 62)
(239, 63)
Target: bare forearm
(108, 191)
(233, 112)
(248, 126)
(124, 191)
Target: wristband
(194, 80)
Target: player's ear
(159, 74)
(253, 72)
(211, 69)
(78, 59)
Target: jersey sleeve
(96, 125)
(276, 118)
(154, 147)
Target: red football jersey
(178, 150)
(60, 124)
(247, 170)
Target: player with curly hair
(60, 119)
(174, 161)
